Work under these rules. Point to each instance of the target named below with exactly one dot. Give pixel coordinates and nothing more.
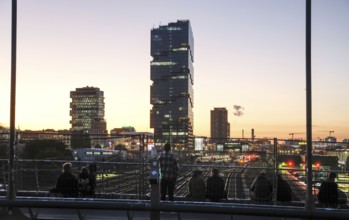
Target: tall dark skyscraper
(220, 127)
(171, 93)
(87, 113)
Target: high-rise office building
(171, 93)
(220, 127)
(87, 113)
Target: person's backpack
(284, 192)
(84, 184)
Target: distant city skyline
(248, 54)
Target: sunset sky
(248, 53)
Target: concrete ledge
(12, 214)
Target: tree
(80, 139)
(3, 151)
(46, 149)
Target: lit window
(163, 63)
(174, 28)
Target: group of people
(328, 192)
(198, 189)
(70, 186)
(262, 189)
(213, 189)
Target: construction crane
(330, 132)
(294, 134)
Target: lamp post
(309, 205)
(11, 177)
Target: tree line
(39, 149)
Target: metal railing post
(309, 205)
(141, 166)
(275, 185)
(37, 177)
(155, 188)
(11, 192)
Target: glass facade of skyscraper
(171, 93)
(87, 112)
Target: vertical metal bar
(154, 189)
(3, 172)
(140, 166)
(145, 169)
(103, 180)
(275, 171)
(37, 177)
(11, 177)
(20, 175)
(309, 205)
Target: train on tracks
(99, 154)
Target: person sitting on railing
(66, 182)
(197, 186)
(261, 189)
(93, 176)
(215, 187)
(328, 192)
(284, 191)
(84, 182)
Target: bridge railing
(129, 180)
(118, 181)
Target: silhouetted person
(197, 186)
(192, 159)
(168, 173)
(66, 182)
(328, 192)
(284, 191)
(215, 187)
(84, 182)
(262, 189)
(93, 176)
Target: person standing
(168, 173)
(66, 182)
(197, 186)
(328, 192)
(215, 187)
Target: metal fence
(118, 180)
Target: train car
(289, 160)
(98, 154)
